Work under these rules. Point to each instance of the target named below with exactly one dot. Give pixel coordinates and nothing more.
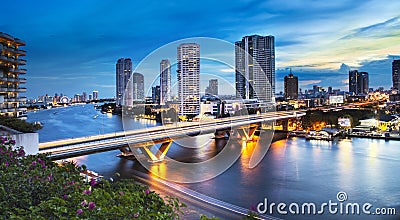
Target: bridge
(243, 127)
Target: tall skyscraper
(95, 95)
(11, 104)
(165, 82)
(189, 78)
(124, 89)
(358, 82)
(396, 74)
(255, 67)
(212, 87)
(291, 86)
(155, 94)
(138, 86)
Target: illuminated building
(255, 67)
(11, 104)
(189, 78)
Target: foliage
(18, 124)
(331, 118)
(33, 187)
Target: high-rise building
(291, 86)
(358, 82)
(84, 97)
(396, 74)
(255, 67)
(95, 95)
(155, 94)
(138, 86)
(212, 88)
(11, 104)
(123, 87)
(189, 78)
(165, 81)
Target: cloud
(308, 82)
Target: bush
(34, 187)
(18, 124)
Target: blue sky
(72, 46)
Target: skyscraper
(95, 95)
(155, 94)
(396, 74)
(212, 87)
(165, 81)
(123, 73)
(255, 67)
(291, 84)
(358, 82)
(138, 86)
(189, 78)
(11, 104)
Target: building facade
(137, 86)
(123, 73)
(155, 94)
(165, 81)
(358, 82)
(255, 67)
(291, 86)
(95, 95)
(396, 74)
(11, 104)
(188, 70)
(212, 88)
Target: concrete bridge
(242, 127)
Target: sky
(73, 46)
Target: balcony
(6, 36)
(20, 90)
(10, 100)
(19, 42)
(21, 80)
(21, 62)
(22, 108)
(20, 71)
(21, 99)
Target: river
(293, 171)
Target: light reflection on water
(294, 170)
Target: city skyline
(78, 52)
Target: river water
(293, 171)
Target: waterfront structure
(11, 104)
(123, 88)
(137, 86)
(358, 82)
(291, 86)
(95, 95)
(212, 88)
(255, 67)
(396, 74)
(165, 81)
(188, 70)
(155, 94)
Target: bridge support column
(125, 151)
(247, 134)
(161, 152)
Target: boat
(319, 135)
(94, 117)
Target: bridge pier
(247, 134)
(161, 152)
